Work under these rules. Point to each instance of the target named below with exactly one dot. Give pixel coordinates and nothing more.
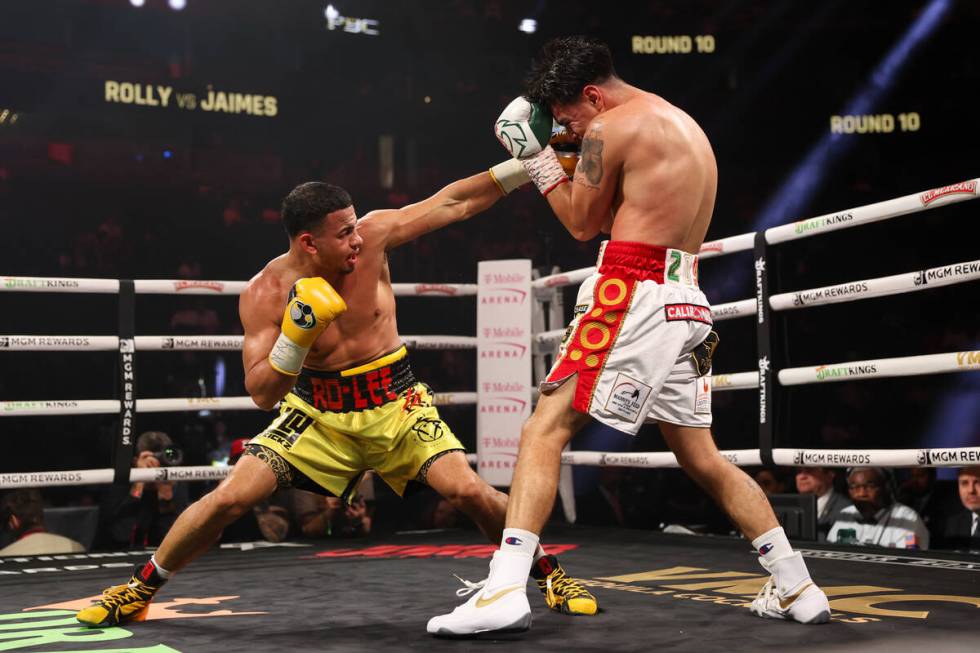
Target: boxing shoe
(800, 601)
(561, 592)
(123, 603)
(492, 608)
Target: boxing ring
(678, 590)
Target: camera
(169, 456)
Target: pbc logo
(4, 342)
(920, 278)
(302, 315)
(168, 343)
(798, 458)
(922, 458)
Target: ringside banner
(503, 370)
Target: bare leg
(452, 477)
(731, 488)
(198, 527)
(545, 434)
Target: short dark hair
(565, 66)
(307, 204)
(26, 504)
(153, 441)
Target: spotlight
(528, 26)
(331, 12)
(137, 3)
(176, 5)
(167, 154)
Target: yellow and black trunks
(384, 420)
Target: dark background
(86, 189)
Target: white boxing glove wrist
(545, 170)
(509, 175)
(286, 356)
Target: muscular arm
(584, 207)
(260, 309)
(458, 201)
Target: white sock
(160, 570)
(773, 545)
(538, 554)
(515, 540)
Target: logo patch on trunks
(428, 429)
(688, 313)
(627, 397)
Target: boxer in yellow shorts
(349, 401)
(334, 426)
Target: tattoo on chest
(590, 164)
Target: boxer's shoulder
(271, 283)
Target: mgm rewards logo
(854, 604)
(55, 624)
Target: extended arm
(456, 202)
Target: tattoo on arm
(591, 158)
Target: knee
(703, 468)
(469, 493)
(227, 501)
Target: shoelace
(118, 594)
(564, 585)
(470, 586)
(769, 591)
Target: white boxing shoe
(805, 603)
(502, 609)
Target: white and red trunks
(637, 320)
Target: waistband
(645, 262)
(359, 388)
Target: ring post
(123, 456)
(767, 370)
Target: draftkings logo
(854, 604)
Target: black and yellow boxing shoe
(561, 592)
(122, 603)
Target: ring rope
(198, 287)
(916, 202)
(188, 343)
(948, 457)
(171, 405)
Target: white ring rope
(188, 343)
(168, 405)
(955, 361)
(198, 287)
(944, 275)
(914, 203)
(951, 457)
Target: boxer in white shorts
(648, 177)
(640, 344)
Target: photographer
(143, 513)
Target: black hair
(153, 441)
(565, 66)
(309, 203)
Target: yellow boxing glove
(567, 146)
(313, 304)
